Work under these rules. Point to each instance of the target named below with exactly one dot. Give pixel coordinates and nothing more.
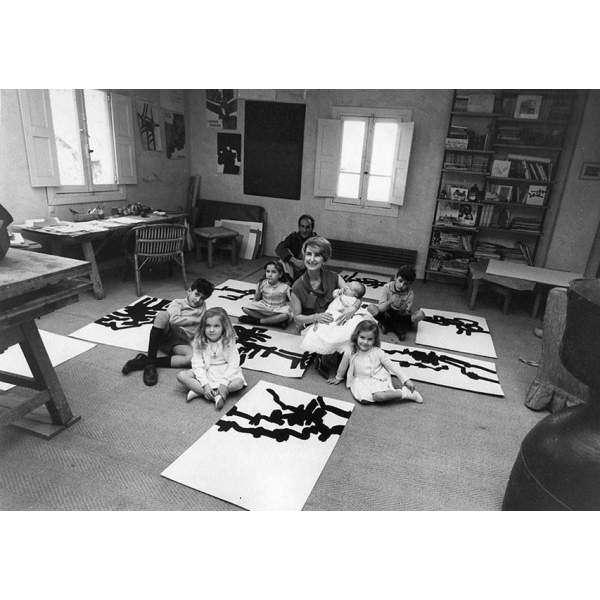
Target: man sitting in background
(290, 249)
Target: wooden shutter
(36, 115)
(329, 138)
(124, 137)
(404, 144)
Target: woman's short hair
(321, 244)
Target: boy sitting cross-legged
(172, 332)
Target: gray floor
(454, 452)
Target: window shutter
(329, 137)
(36, 115)
(405, 141)
(124, 138)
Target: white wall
(410, 230)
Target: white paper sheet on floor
(60, 348)
(373, 283)
(455, 331)
(266, 452)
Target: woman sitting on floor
(313, 292)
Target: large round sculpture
(558, 466)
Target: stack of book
(524, 223)
(457, 160)
(458, 137)
(508, 134)
(449, 239)
(480, 163)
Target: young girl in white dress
(216, 370)
(369, 369)
(271, 304)
(326, 338)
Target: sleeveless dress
(275, 299)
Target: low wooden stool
(505, 286)
(210, 236)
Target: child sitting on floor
(216, 370)
(394, 311)
(369, 369)
(271, 305)
(327, 338)
(172, 332)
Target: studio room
(299, 299)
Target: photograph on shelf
(447, 213)
(528, 106)
(503, 193)
(536, 195)
(500, 168)
(458, 193)
(466, 217)
(590, 171)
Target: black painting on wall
(273, 139)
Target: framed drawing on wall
(590, 171)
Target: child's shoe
(417, 316)
(191, 395)
(414, 395)
(135, 364)
(219, 402)
(150, 374)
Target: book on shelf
(466, 218)
(480, 103)
(536, 195)
(525, 252)
(447, 213)
(500, 168)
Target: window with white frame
(79, 143)
(362, 159)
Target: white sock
(414, 396)
(191, 395)
(219, 402)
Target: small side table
(505, 286)
(209, 237)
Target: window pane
(100, 137)
(378, 189)
(348, 185)
(384, 144)
(353, 135)
(68, 140)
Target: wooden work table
(92, 236)
(31, 285)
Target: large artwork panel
(445, 369)
(267, 451)
(231, 295)
(455, 331)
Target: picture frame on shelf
(536, 195)
(528, 106)
(590, 170)
(504, 193)
(466, 215)
(500, 168)
(458, 193)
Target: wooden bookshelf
(528, 129)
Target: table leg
(537, 303)
(88, 253)
(474, 291)
(42, 370)
(210, 244)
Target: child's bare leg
(255, 314)
(188, 379)
(274, 319)
(402, 393)
(182, 356)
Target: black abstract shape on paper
(235, 293)
(432, 361)
(309, 417)
(134, 315)
(366, 281)
(463, 325)
(251, 344)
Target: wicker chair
(158, 244)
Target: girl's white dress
(216, 364)
(369, 372)
(329, 337)
(274, 298)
